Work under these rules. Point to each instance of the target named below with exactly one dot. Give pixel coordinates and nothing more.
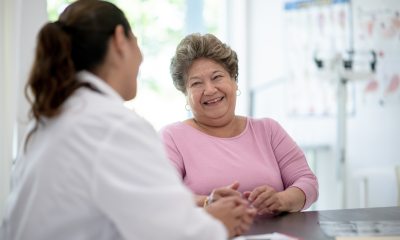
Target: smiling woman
(239, 156)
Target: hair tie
(61, 25)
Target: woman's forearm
(295, 199)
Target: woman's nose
(209, 88)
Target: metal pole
(341, 136)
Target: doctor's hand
(268, 201)
(234, 212)
(226, 191)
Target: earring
(238, 92)
(187, 107)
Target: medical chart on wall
(327, 30)
(315, 29)
(377, 27)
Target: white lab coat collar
(101, 85)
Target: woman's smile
(214, 101)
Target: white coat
(98, 171)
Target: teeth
(214, 100)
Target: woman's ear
(119, 39)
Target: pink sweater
(262, 154)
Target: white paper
(360, 228)
(269, 236)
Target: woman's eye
(194, 84)
(217, 77)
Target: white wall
(236, 30)
(19, 24)
(265, 41)
(8, 74)
(373, 153)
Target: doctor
(90, 168)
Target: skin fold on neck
(233, 128)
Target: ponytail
(52, 78)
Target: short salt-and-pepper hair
(196, 46)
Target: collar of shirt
(101, 85)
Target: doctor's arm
(135, 187)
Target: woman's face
(211, 92)
(134, 59)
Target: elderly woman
(220, 154)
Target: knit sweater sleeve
(293, 164)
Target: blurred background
(327, 70)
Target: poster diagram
(329, 29)
(377, 27)
(316, 29)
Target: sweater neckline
(197, 131)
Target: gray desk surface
(305, 225)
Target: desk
(304, 225)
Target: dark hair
(77, 41)
(195, 46)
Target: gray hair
(195, 46)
